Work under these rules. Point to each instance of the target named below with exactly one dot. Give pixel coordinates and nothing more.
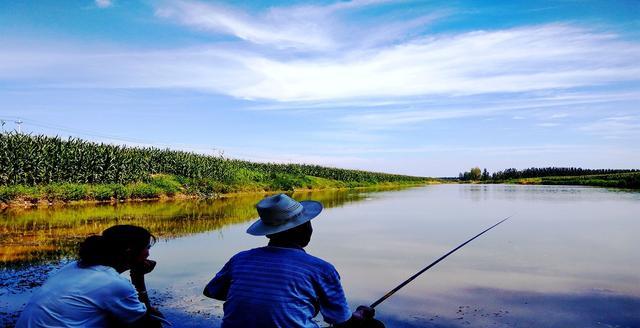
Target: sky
(427, 88)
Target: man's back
(278, 287)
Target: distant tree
(485, 175)
(475, 173)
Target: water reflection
(42, 235)
(567, 259)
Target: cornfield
(38, 160)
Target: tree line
(475, 174)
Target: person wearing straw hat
(280, 285)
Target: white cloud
(547, 125)
(104, 3)
(304, 27)
(292, 32)
(392, 117)
(517, 60)
(615, 127)
(526, 59)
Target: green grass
(67, 192)
(102, 192)
(171, 186)
(166, 184)
(140, 190)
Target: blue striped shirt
(278, 287)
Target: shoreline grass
(167, 187)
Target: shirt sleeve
(124, 304)
(218, 287)
(332, 301)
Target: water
(568, 258)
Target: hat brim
(310, 209)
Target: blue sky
(426, 88)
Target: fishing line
(404, 283)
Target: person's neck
(285, 244)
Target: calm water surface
(568, 258)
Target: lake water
(569, 257)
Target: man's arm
(218, 287)
(334, 307)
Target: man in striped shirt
(280, 285)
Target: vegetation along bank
(614, 178)
(36, 169)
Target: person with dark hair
(280, 285)
(90, 292)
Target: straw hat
(280, 212)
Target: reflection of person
(91, 293)
(280, 285)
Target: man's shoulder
(247, 253)
(288, 254)
(315, 263)
(318, 262)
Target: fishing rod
(393, 291)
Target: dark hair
(298, 235)
(110, 247)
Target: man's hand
(364, 312)
(362, 318)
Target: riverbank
(168, 187)
(628, 180)
(38, 170)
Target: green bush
(8, 193)
(166, 183)
(31, 194)
(244, 176)
(284, 182)
(65, 192)
(72, 191)
(49, 192)
(205, 187)
(143, 191)
(102, 192)
(119, 191)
